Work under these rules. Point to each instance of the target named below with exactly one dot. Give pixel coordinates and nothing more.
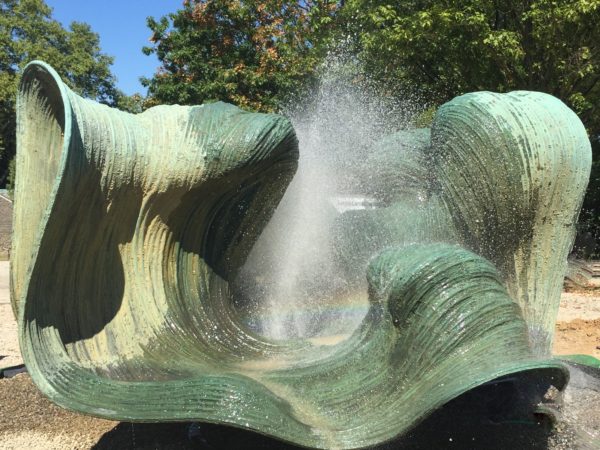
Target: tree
(251, 53)
(131, 103)
(589, 220)
(28, 32)
(452, 47)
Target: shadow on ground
(485, 418)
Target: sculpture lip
(30, 71)
(40, 66)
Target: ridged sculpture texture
(130, 228)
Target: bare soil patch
(578, 337)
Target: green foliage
(28, 32)
(449, 48)
(250, 53)
(130, 103)
(10, 184)
(425, 119)
(589, 220)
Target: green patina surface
(129, 228)
(586, 360)
(512, 171)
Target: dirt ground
(30, 421)
(578, 324)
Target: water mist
(292, 283)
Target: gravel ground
(30, 421)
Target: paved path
(4, 292)
(9, 342)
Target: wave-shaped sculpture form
(128, 229)
(513, 169)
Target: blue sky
(121, 25)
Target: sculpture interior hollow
(130, 228)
